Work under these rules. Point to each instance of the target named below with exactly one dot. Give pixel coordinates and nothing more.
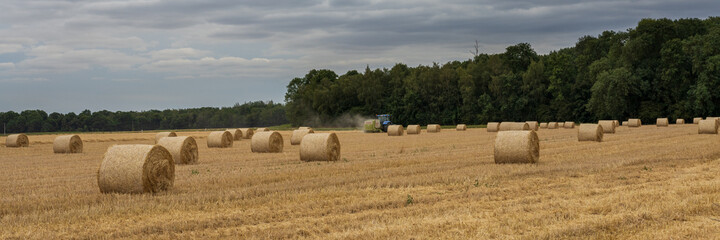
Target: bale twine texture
(517, 147)
(708, 127)
(184, 150)
(247, 133)
(395, 130)
(136, 169)
(433, 128)
(220, 139)
(590, 132)
(160, 135)
(461, 127)
(268, 142)
(298, 135)
(17, 140)
(513, 126)
(534, 125)
(68, 144)
(320, 147)
(608, 126)
(662, 122)
(413, 129)
(493, 126)
(634, 122)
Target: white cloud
(10, 48)
(178, 53)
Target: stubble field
(644, 183)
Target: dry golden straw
(268, 142)
(304, 128)
(513, 126)
(544, 125)
(17, 140)
(634, 122)
(413, 129)
(160, 135)
(395, 130)
(697, 120)
(220, 139)
(679, 121)
(262, 130)
(68, 144)
(708, 126)
(247, 133)
(625, 123)
(569, 124)
(184, 150)
(493, 126)
(298, 135)
(236, 133)
(433, 128)
(517, 147)
(608, 126)
(617, 123)
(534, 125)
(553, 125)
(136, 169)
(461, 127)
(320, 147)
(590, 132)
(662, 122)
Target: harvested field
(639, 183)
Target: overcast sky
(137, 55)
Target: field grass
(641, 183)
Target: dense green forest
(252, 114)
(661, 68)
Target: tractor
(378, 125)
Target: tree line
(660, 68)
(250, 114)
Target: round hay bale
(634, 122)
(247, 133)
(553, 125)
(534, 125)
(433, 128)
(17, 140)
(461, 127)
(679, 121)
(220, 139)
(320, 147)
(708, 126)
(270, 142)
(569, 124)
(298, 135)
(591, 132)
(608, 126)
(513, 126)
(493, 126)
(184, 150)
(236, 133)
(262, 129)
(68, 144)
(544, 125)
(625, 123)
(697, 120)
(517, 147)
(413, 129)
(136, 169)
(395, 130)
(617, 123)
(304, 128)
(662, 122)
(160, 135)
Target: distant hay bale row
(433, 128)
(395, 130)
(184, 150)
(262, 129)
(297, 135)
(617, 123)
(493, 126)
(269, 142)
(413, 129)
(544, 125)
(697, 120)
(320, 147)
(160, 135)
(608, 126)
(591, 132)
(513, 126)
(68, 144)
(625, 123)
(533, 125)
(679, 121)
(553, 125)
(236, 133)
(17, 140)
(220, 139)
(569, 124)
(708, 126)
(461, 127)
(247, 133)
(634, 122)
(516, 147)
(662, 122)
(305, 128)
(136, 169)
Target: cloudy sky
(155, 54)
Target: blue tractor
(377, 125)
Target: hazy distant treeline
(661, 68)
(251, 114)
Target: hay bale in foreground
(590, 132)
(413, 129)
(320, 147)
(247, 133)
(461, 127)
(220, 139)
(395, 130)
(662, 122)
(679, 121)
(608, 126)
(262, 130)
(544, 125)
(236, 133)
(298, 135)
(517, 147)
(269, 142)
(184, 150)
(136, 169)
(160, 135)
(493, 126)
(513, 126)
(17, 140)
(569, 124)
(68, 144)
(553, 125)
(697, 120)
(433, 128)
(634, 122)
(534, 125)
(708, 126)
